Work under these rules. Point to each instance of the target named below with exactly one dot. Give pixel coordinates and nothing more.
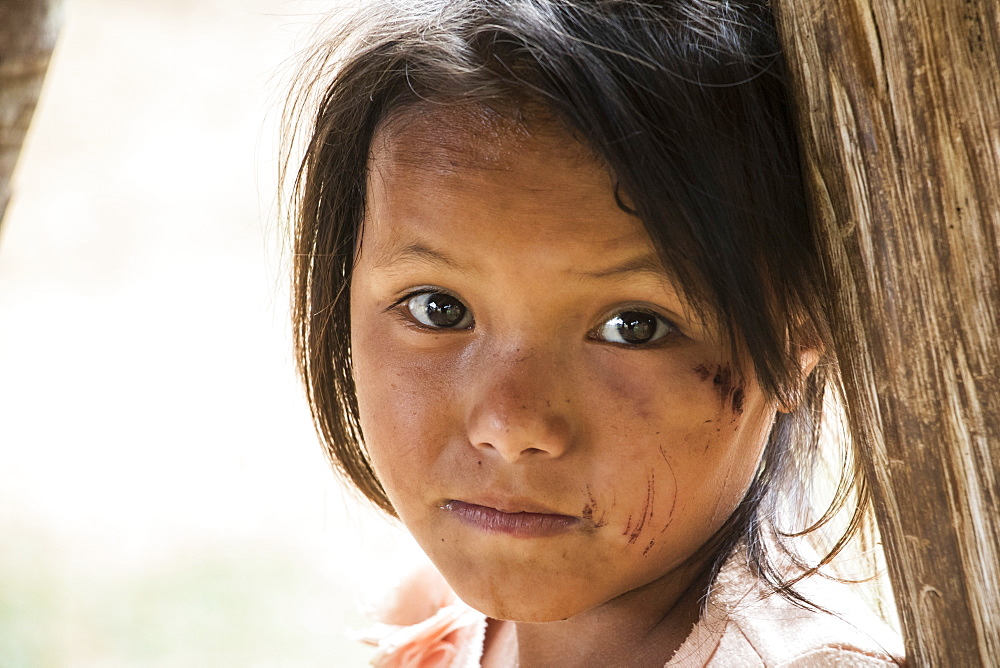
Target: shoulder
(422, 623)
(846, 634)
(744, 625)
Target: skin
(529, 407)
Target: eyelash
(665, 328)
(400, 307)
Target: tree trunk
(27, 36)
(898, 106)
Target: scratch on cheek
(649, 547)
(647, 510)
(588, 510)
(673, 500)
(723, 381)
(738, 396)
(730, 390)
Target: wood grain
(898, 106)
(27, 36)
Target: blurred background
(163, 499)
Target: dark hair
(685, 103)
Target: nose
(521, 408)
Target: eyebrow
(418, 252)
(648, 263)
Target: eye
(439, 310)
(634, 328)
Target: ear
(808, 359)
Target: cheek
(714, 468)
(642, 395)
(651, 408)
(642, 414)
(636, 399)
(679, 456)
(406, 409)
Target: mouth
(520, 520)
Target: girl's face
(549, 420)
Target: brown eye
(439, 310)
(634, 328)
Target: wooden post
(898, 105)
(27, 36)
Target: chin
(532, 614)
(525, 604)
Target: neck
(643, 627)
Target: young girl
(558, 310)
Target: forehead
(441, 174)
(447, 138)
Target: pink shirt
(427, 626)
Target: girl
(558, 310)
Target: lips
(524, 520)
